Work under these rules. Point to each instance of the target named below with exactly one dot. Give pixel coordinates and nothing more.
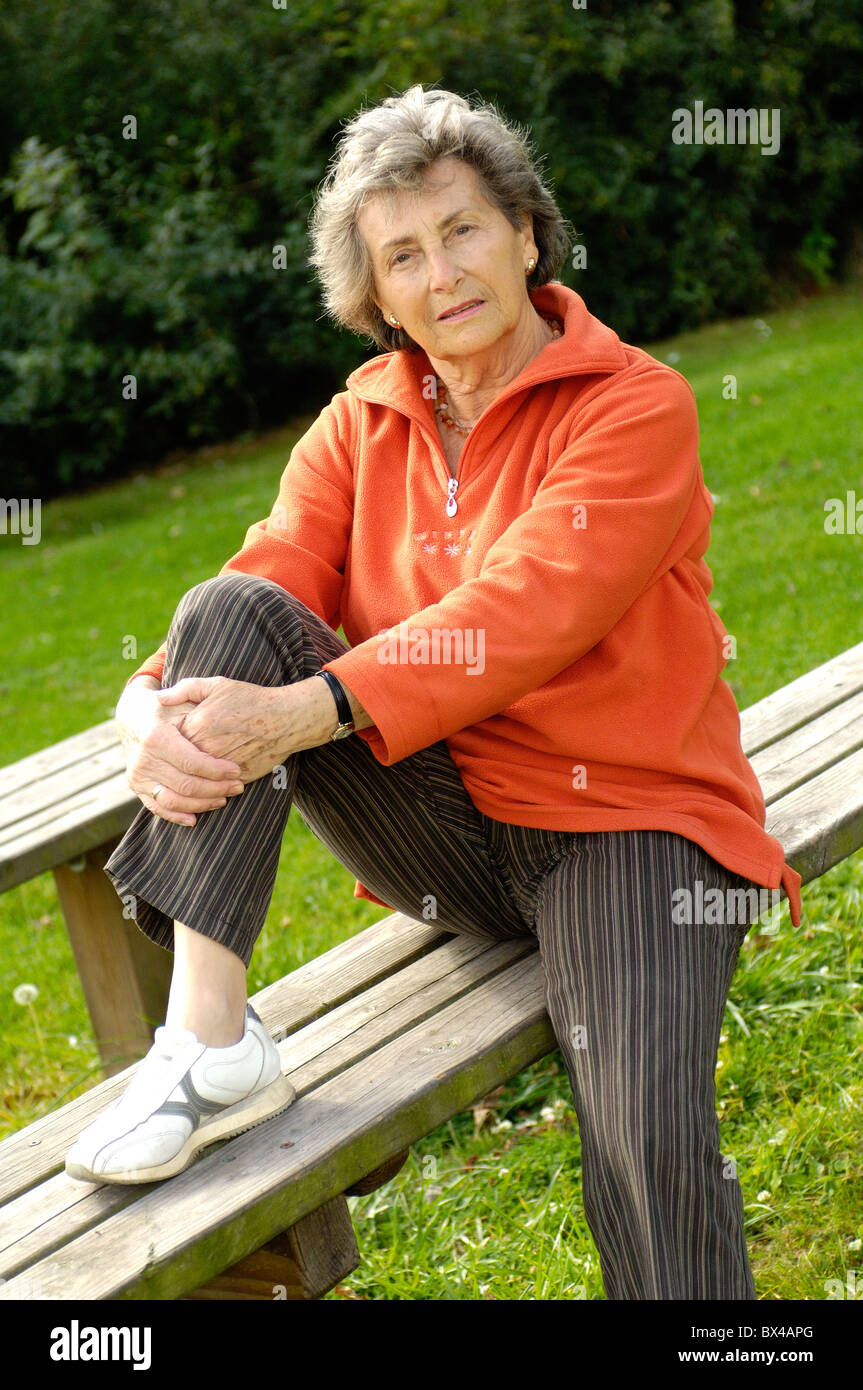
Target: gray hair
(389, 146)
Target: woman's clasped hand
(161, 756)
(200, 741)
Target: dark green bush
(152, 258)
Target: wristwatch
(346, 718)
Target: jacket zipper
(452, 483)
(451, 504)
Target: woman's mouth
(462, 311)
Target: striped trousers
(636, 1002)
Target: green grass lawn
(491, 1208)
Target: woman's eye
(402, 256)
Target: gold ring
(155, 792)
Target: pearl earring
(394, 321)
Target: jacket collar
(397, 379)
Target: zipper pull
(451, 504)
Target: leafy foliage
(153, 257)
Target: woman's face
(446, 246)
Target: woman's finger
(183, 791)
(193, 688)
(164, 812)
(169, 745)
(173, 805)
(178, 791)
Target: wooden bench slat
(327, 980)
(814, 839)
(50, 1215)
(64, 832)
(361, 1025)
(814, 693)
(68, 753)
(86, 803)
(811, 749)
(230, 1203)
(52, 792)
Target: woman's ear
(530, 247)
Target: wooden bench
(385, 1037)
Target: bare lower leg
(208, 989)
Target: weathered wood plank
(68, 753)
(52, 792)
(47, 1216)
(814, 839)
(814, 693)
(321, 1052)
(811, 749)
(228, 1205)
(332, 1045)
(59, 833)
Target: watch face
(342, 731)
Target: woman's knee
(225, 591)
(230, 625)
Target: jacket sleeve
(302, 544)
(600, 528)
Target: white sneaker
(183, 1097)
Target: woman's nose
(444, 273)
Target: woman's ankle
(215, 1022)
(208, 990)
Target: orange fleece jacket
(555, 630)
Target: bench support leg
(372, 1181)
(308, 1259)
(125, 977)
(301, 1264)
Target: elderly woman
(505, 510)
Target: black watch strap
(346, 718)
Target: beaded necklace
(441, 396)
